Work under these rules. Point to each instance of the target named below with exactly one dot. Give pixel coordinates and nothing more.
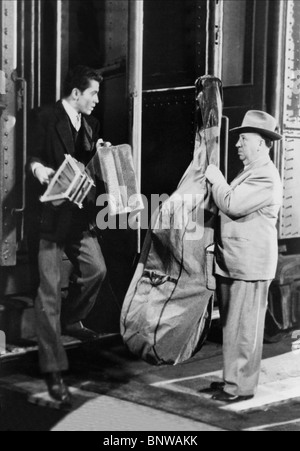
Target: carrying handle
(21, 210)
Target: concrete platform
(109, 383)
(108, 414)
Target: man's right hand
(44, 174)
(213, 174)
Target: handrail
(23, 206)
(135, 91)
(226, 148)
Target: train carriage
(150, 54)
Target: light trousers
(243, 307)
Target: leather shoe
(57, 388)
(230, 399)
(80, 332)
(217, 386)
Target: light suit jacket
(247, 247)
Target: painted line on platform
(280, 382)
(215, 375)
(43, 399)
(187, 391)
(273, 425)
(268, 394)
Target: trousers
(243, 307)
(84, 252)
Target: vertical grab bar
(226, 146)
(136, 36)
(21, 210)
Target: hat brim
(264, 133)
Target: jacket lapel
(64, 129)
(88, 142)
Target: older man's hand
(213, 174)
(100, 144)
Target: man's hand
(213, 174)
(101, 143)
(44, 174)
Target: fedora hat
(259, 122)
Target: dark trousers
(85, 254)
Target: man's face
(248, 147)
(88, 99)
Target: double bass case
(167, 310)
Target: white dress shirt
(74, 116)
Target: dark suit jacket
(50, 138)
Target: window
(238, 47)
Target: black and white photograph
(149, 218)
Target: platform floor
(114, 391)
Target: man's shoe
(57, 389)
(230, 399)
(80, 332)
(217, 386)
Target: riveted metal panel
(168, 138)
(174, 56)
(201, 37)
(174, 43)
(8, 235)
(116, 28)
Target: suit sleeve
(251, 195)
(36, 140)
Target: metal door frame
(135, 87)
(8, 234)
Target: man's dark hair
(80, 77)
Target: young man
(247, 254)
(65, 128)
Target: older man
(247, 254)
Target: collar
(72, 113)
(254, 165)
(258, 163)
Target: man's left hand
(213, 174)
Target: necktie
(78, 122)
